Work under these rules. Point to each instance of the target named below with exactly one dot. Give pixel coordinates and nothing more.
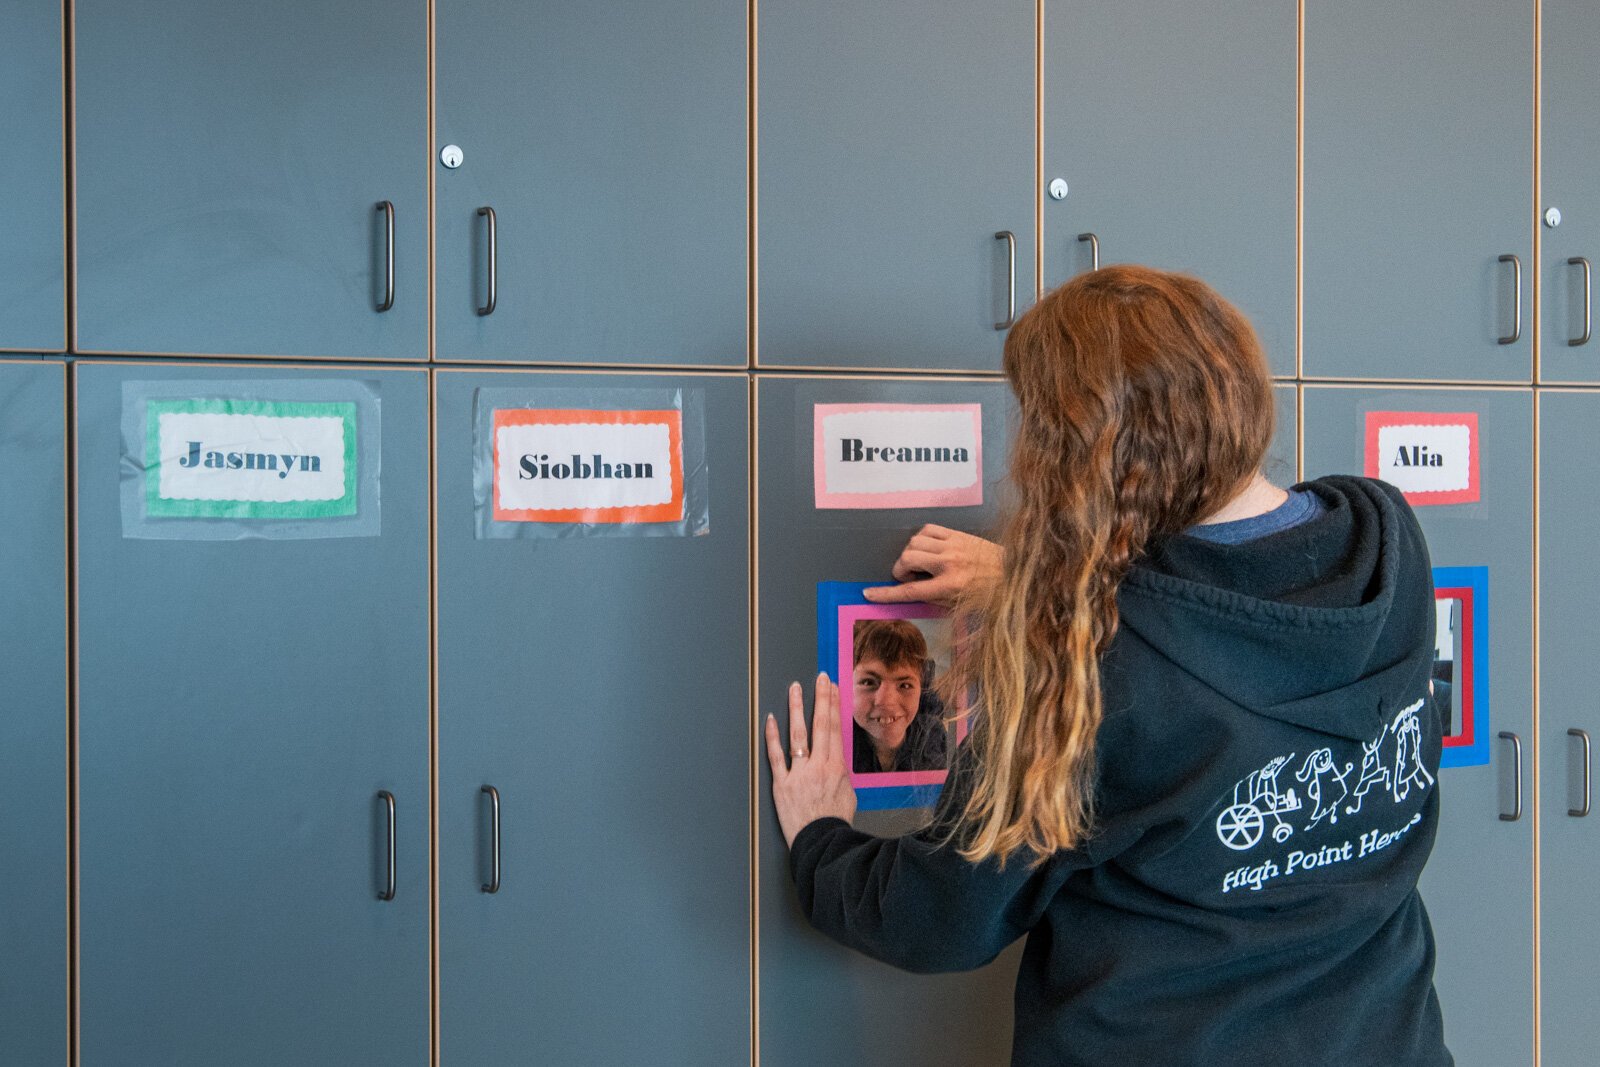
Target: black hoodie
(1266, 797)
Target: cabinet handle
(388, 800)
(493, 886)
(1094, 249)
(1516, 777)
(1583, 735)
(1588, 305)
(1011, 278)
(488, 213)
(1516, 300)
(387, 207)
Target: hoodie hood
(1302, 625)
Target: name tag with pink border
(898, 455)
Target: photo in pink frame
(895, 702)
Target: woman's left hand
(814, 784)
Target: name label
(564, 465)
(1432, 458)
(250, 459)
(898, 455)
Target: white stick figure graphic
(1408, 766)
(1372, 770)
(1326, 785)
(1255, 797)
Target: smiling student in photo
(897, 727)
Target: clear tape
(544, 408)
(228, 459)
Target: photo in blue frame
(1461, 663)
(840, 607)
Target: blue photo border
(1476, 579)
(831, 596)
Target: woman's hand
(938, 566)
(814, 784)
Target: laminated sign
(1430, 457)
(581, 466)
(898, 455)
(249, 459)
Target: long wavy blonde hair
(1145, 406)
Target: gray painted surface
(611, 140)
(33, 266)
(600, 685)
(1418, 171)
(229, 160)
(820, 1002)
(895, 140)
(241, 705)
(1570, 174)
(1173, 124)
(33, 715)
(1280, 462)
(1478, 884)
(1570, 847)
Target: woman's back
(1201, 776)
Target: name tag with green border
(250, 459)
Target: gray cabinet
(1478, 885)
(231, 163)
(609, 141)
(1569, 839)
(894, 141)
(1570, 175)
(242, 705)
(820, 1002)
(1418, 169)
(33, 228)
(1172, 124)
(33, 716)
(597, 684)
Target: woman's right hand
(940, 565)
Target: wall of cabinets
(775, 206)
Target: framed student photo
(898, 734)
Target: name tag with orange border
(580, 466)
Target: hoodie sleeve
(914, 902)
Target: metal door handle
(488, 213)
(1588, 304)
(1094, 249)
(1583, 735)
(1516, 299)
(388, 800)
(387, 207)
(493, 885)
(1011, 278)
(1516, 778)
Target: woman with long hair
(1177, 671)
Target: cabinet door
(599, 684)
(230, 164)
(1570, 843)
(1172, 124)
(894, 143)
(962, 1019)
(1478, 884)
(33, 229)
(241, 704)
(33, 715)
(1418, 167)
(1571, 178)
(610, 141)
